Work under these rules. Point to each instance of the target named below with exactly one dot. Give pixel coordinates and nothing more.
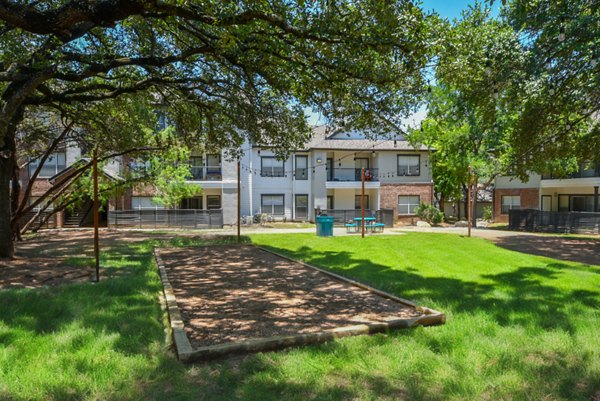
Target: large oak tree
(238, 68)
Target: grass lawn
(519, 327)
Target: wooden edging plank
(186, 353)
(180, 338)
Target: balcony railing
(352, 174)
(582, 173)
(208, 173)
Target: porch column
(596, 199)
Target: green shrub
(488, 213)
(430, 214)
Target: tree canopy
(231, 69)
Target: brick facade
(530, 198)
(389, 197)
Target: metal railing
(343, 216)
(555, 222)
(352, 174)
(581, 173)
(166, 218)
(208, 173)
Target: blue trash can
(324, 226)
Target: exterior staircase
(73, 219)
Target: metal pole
(362, 201)
(239, 203)
(468, 200)
(96, 217)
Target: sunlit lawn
(519, 327)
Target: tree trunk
(466, 203)
(474, 201)
(7, 167)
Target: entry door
(546, 203)
(359, 163)
(329, 169)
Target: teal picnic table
(371, 224)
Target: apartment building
(575, 193)
(325, 175)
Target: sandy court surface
(233, 293)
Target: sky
(450, 9)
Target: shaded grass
(519, 327)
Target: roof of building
(327, 138)
(70, 169)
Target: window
(407, 204)
(409, 165)
(196, 164)
(329, 202)
(213, 201)
(272, 204)
(139, 168)
(145, 202)
(271, 167)
(357, 202)
(301, 211)
(510, 202)
(213, 167)
(301, 172)
(54, 164)
(582, 203)
(191, 203)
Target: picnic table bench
(370, 225)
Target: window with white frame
(301, 211)
(409, 165)
(301, 172)
(510, 202)
(145, 202)
(272, 204)
(271, 167)
(407, 204)
(54, 164)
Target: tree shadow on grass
(516, 297)
(126, 305)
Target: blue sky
(450, 9)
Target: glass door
(359, 164)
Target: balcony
(352, 174)
(208, 173)
(583, 172)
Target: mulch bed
(235, 293)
